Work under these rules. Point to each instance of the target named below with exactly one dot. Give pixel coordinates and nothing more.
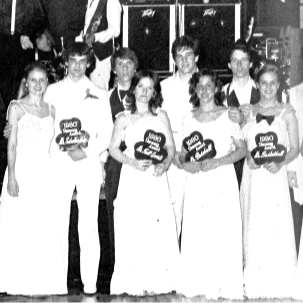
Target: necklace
(267, 106)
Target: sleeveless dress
(30, 255)
(211, 246)
(146, 243)
(268, 230)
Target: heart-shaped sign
(197, 148)
(72, 135)
(268, 149)
(152, 148)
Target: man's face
(239, 64)
(125, 70)
(77, 66)
(186, 61)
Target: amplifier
(147, 2)
(185, 2)
(149, 30)
(216, 27)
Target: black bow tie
(122, 93)
(269, 119)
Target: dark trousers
(113, 170)
(13, 63)
(239, 170)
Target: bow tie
(269, 119)
(122, 93)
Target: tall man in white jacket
(175, 94)
(83, 127)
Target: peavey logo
(148, 13)
(197, 148)
(268, 149)
(72, 135)
(152, 148)
(209, 12)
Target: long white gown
(211, 246)
(146, 245)
(30, 252)
(269, 241)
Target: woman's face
(36, 82)
(268, 85)
(206, 89)
(144, 90)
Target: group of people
(196, 179)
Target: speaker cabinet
(216, 26)
(149, 30)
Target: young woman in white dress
(146, 244)
(30, 255)
(271, 134)
(211, 243)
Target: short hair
(184, 43)
(195, 79)
(241, 45)
(78, 49)
(124, 53)
(81, 49)
(268, 68)
(155, 101)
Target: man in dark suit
(124, 63)
(242, 91)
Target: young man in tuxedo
(124, 63)
(241, 92)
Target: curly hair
(155, 101)
(194, 80)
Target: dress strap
(50, 109)
(286, 108)
(126, 113)
(21, 106)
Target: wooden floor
(128, 299)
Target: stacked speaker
(149, 28)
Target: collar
(83, 81)
(121, 87)
(250, 83)
(178, 77)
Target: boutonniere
(89, 95)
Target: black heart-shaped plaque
(72, 135)
(152, 148)
(197, 148)
(268, 149)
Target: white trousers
(101, 74)
(87, 177)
